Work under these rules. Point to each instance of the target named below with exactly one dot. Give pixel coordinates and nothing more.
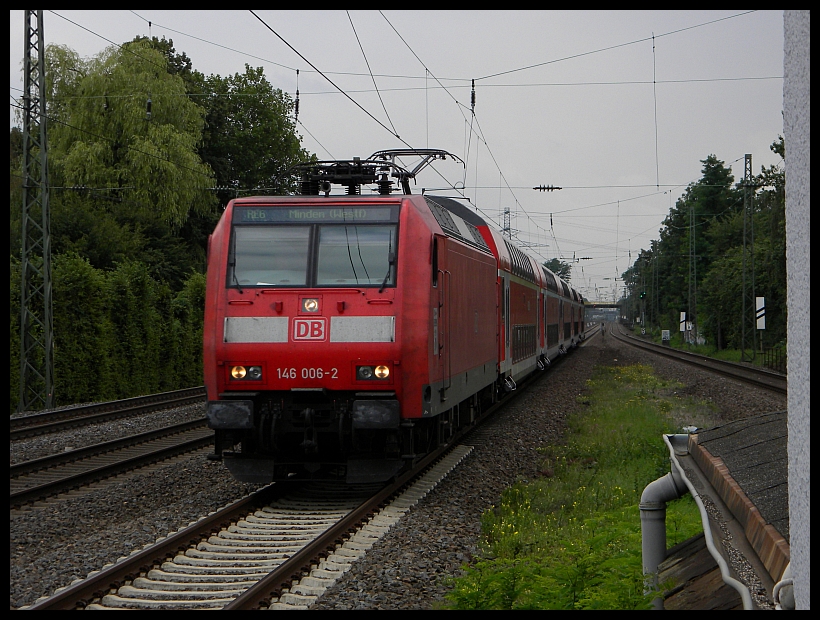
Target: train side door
(544, 339)
(506, 361)
(441, 311)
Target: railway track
(39, 479)
(766, 379)
(83, 415)
(278, 548)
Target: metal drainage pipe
(653, 521)
(653, 525)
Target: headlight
(372, 373)
(251, 373)
(310, 305)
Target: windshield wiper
(236, 281)
(391, 258)
(232, 265)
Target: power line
(212, 43)
(358, 105)
(352, 73)
(611, 47)
(371, 73)
(341, 90)
(460, 105)
(126, 49)
(458, 79)
(317, 141)
(655, 97)
(413, 88)
(426, 72)
(419, 59)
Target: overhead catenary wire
(356, 103)
(316, 140)
(371, 74)
(611, 47)
(122, 47)
(340, 89)
(416, 88)
(464, 79)
(274, 32)
(427, 71)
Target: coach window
(356, 255)
(270, 255)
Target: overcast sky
(617, 108)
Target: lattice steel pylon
(748, 320)
(36, 322)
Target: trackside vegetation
(697, 264)
(119, 333)
(572, 538)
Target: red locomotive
(346, 336)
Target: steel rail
(283, 576)
(62, 458)
(95, 474)
(83, 592)
(97, 585)
(82, 415)
(768, 380)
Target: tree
(715, 206)
(121, 122)
(250, 138)
(559, 268)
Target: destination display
(309, 215)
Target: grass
(572, 538)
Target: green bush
(117, 334)
(85, 345)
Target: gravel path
(63, 540)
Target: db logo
(309, 329)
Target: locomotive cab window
(270, 256)
(335, 247)
(356, 255)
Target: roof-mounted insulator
(296, 120)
